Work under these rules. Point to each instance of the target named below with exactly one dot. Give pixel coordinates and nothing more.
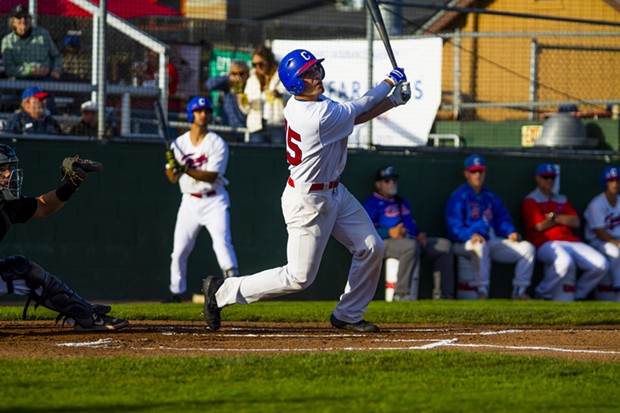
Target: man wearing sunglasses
(402, 239)
(481, 229)
(549, 220)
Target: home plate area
(159, 338)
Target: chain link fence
(527, 76)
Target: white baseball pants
(501, 250)
(562, 258)
(194, 213)
(311, 217)
(612, 252)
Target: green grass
(334, 382)
(385, 381)
(419, 312)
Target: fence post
(533, 76)
(125, 114)
(102, 73)
(456, 98)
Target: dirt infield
(165, 338)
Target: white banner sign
(346, 67)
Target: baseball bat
(375, 14)
(163, 127)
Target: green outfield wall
(507, 134)
(114, 237)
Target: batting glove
(397, 75)
(401, 94)
(174, 164)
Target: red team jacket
(533, 209)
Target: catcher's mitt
(74, 169)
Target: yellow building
(576, 60)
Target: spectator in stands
(549, 221)
(266, 99)
(147, 74)
(603, 226)
(29, 52)
(33, 116)
(88, 124)
(481, 229)
(391, 215)
(232, 97)
(76, 64)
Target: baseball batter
(197, 161)
(315, 204)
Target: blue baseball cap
(475, 163)
(34, 92)
(71, 40)
(386, 172)
(609, 174)
(546, 169)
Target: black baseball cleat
(361, 326)
(103, 323)
(211, 311)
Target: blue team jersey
(468, 213)
(387, 213)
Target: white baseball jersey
(600, 214)
(316, 207)
(322, 153)
(210, 155)
(203, 204)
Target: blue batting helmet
(294, 65)
(197, 103)
(610, 173)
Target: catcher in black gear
(19, 275)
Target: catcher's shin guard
(47, 290)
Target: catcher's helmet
(294, 65)
(10, 184)
(197, 103)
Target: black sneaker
(173, 299)
(211, 311)
(361, 326)
(103, 323)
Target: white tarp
(346, 66)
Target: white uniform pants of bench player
(311, 217)
(562, 259)
(437, 250)
(195, 213)
(609, 287)
(497, 249)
